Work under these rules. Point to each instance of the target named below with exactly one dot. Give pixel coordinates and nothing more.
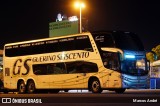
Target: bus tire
(95, 86)
(31, 87)
(21, 87)
(121, 90)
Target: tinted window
(104, 40)
(66, 44)
(64, 68)
(48, 69)
(127, 41)
(18, 50)
(40, 69)
(130, 67)
(81, 67)
(111, 60)
(35, 48)
(48, 46)
(119, 39)
(83, 43)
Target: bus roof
(37, 40)
(58, 37)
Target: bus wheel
(31, 87)
(95, 86)
(121, 90)
(21, 87)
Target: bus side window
(111, 60)
(81, 67)
(71, 67)
(50, 69)
(59, 68)
(40, 69)
(86, 45)
(88, 67)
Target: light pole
(80, 5)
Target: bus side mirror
(148, 64)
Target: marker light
(130, 56)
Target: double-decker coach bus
(94, 61)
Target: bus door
(111, 62)
(7, 78)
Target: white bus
(94, 61)
(155, 75)
(155, 69)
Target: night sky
(22, 20)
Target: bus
(155, 75)
(155, 69)
(96, 61)
(1, 69)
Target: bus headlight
(129, 56)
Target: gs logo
(18, 65)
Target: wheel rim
(95, 86)
(31, 88)
(22, 88)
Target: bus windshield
(122, 40)
(128, 41)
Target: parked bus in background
(94, 61)
(155, 69)
(1, 69)
(1, 60)
(155, 75)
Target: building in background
(66, 26)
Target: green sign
(63, 28)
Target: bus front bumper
(135, 82)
